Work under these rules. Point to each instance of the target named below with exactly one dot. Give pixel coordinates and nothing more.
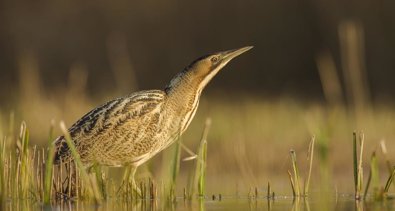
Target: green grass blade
(373, 176)
(360, 168)
(2, 175)
(357, 164)
(296, 172)
(49, 166)
(23, 171)
(292, 184)
(385, 153)
(389, 181)
(310, 158)
(375, 172)
(174, 170)
(202, 169)
(355, 161)
(201, 161)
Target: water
(341, 203)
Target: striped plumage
(103, 135)
(130, 130)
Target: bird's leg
(133, 170)
(98, 175)
(71, 189)
(128, 178)
(125, 177)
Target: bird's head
(205, 68)
(208, 66)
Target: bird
(128, 131)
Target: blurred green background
(320, 67)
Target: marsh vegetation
(329, 146)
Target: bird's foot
(129, 182)
(136, 189)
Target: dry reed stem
(292, 184)
(310, 158)
(296, 172)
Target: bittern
(130, 130)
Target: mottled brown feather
(114, 134)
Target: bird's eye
(214, 59)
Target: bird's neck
(182, 99)
(184, 91)
(183, 84)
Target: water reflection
(228, 203)
(300, 204)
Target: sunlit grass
(357, 158)
(49, 167)
(248, 145)
(296, 177)
(22, 163)
(264, 128)
(201, 162)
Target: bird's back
(119, 132)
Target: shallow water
(341, 203)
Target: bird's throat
(183, 100)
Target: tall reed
(49, 167)
(358, 170)
(296, 179)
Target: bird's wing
(114, 119)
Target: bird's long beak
(226, 56)
(229, 55)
